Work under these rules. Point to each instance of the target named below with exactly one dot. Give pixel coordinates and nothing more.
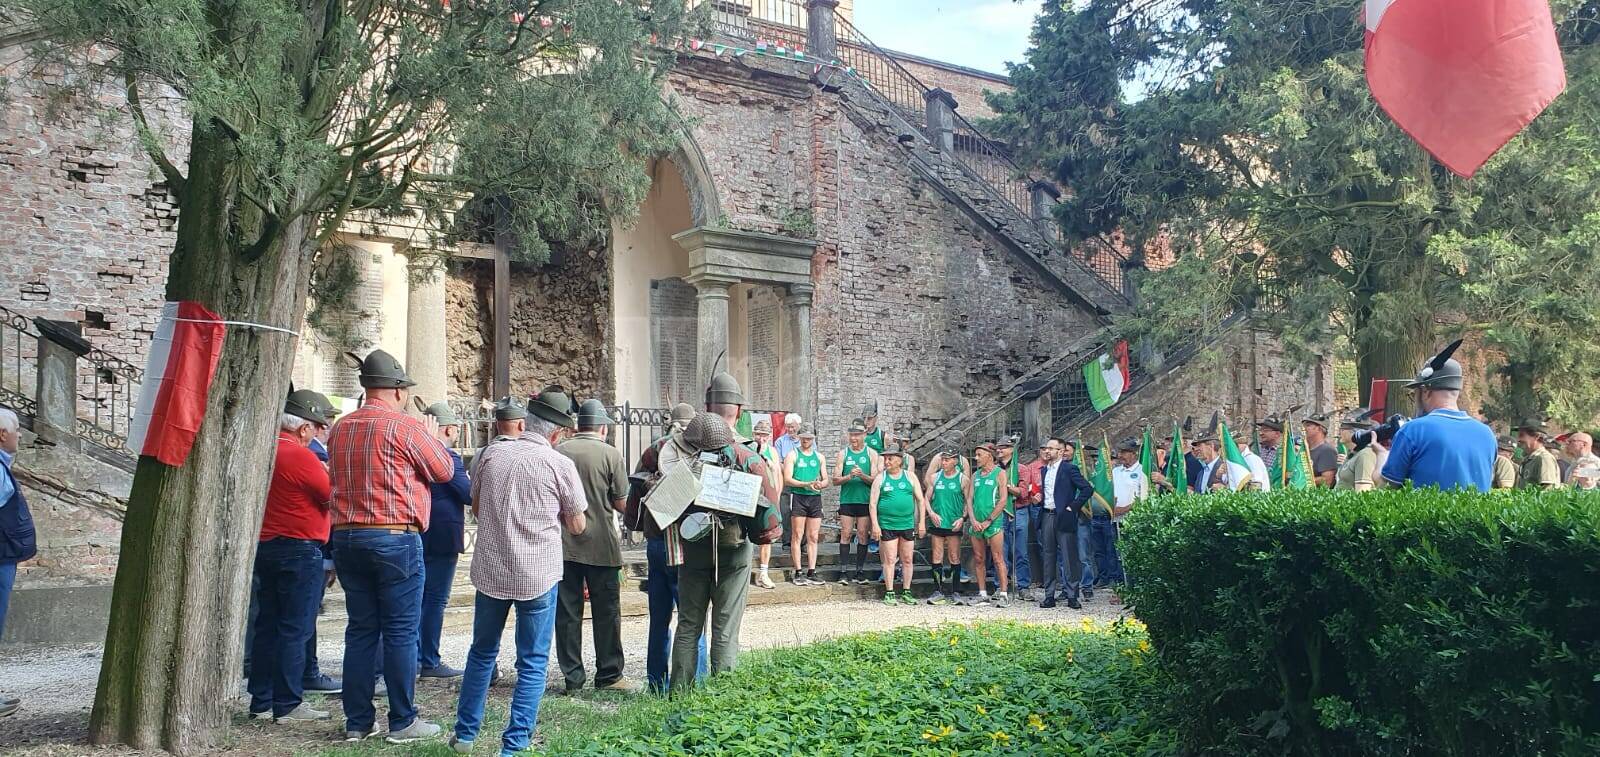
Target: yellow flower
(1035, 722)
(981, 710)
(934, 736)
(1144, 645)
(960, 670)
(1000, 737)
(952, 641)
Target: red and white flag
(1462, 77)
(177, 380)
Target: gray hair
(541, 427)
(291, 423)
(8, 420)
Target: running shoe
(907, 599)
(938, 598)
(799, 579)
(814, 579)
(890, 600)
(1001, 600)
(983, 600)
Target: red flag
(1378, 397)
(177, 380)
(777, 424)
(1462, 78)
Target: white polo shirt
(1129, 484)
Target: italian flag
(177, 381)
(1462, 78)
(1238, 469)
(1107, 377)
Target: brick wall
(965, 84)
(84, 229)
(78, 504)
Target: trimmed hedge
(1395, 622)
(992, 688)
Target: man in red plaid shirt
(382, 462)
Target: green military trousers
(714, 589)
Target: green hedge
(990, 688)
(1394, 622)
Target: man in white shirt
(1205, 448)
(1129, 485)
(1260, 480)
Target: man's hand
(770, 535)
(877, 534)
(983, 525)
(432, 425)
(956, 526)
(329, 578)
(922, 531)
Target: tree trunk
(1392, 344)
(172, 653)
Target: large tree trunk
(1392, 344)
(172, 654)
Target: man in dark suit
(1192, 467)
(1063, 491)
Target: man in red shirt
(288, 563)
(382, 462)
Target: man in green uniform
(854, 469)
(592, 560)
(986, 524)
(869, 421)
(1505, 469)
(1539, 467)
(946, 514)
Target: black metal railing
(106, 386)
(881, 72)
(19, 345)
(778, 22)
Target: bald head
(1579, 444)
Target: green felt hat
(380, 370)
(311, 406)
(553, 405)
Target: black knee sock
(861, 556)
(938, 578)
(844, 554)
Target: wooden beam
(503, 239)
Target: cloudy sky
(982, 34)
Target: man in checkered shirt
(523, 494)
(381, 462)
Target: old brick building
(838, 231)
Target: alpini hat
(553, 405)
(724, 390)
(508, 409)
(443, 413)
(592, 413)
(858, 426)
(380, 370)
(1440, 372)
(309, 405)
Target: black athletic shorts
(853, 511)
(805, 505)
(906, 535)
(937, 531)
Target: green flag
(745, 426)
(1083, 458)
(1177, 468)
(1014, 477)
(1238, 468)
(1255, 439)
(1104, 494)
(1147, 454)
(1289, 469)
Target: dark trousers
(439, 575)
(605, 602)
(1053, 541)
(661, 588)
(382, 576)
(313, 668)
(1109, 564)
(289, 571)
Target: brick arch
(705, 207)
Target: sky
(981, 34)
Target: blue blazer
(447, 521)
(1072, 490)
(17, 539)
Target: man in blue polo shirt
(1445, 447)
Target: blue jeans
(382, 576)
(1105, 547)
(290, 572)
(8, 579)
(535, 630)
(1086, 551)
(1017, 535)
(661, 588)
(439, 574)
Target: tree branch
(147, 138)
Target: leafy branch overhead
(402, 110)
(1241, 135)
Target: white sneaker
(302, 714)
(983, 599)
(1001, 600)
(417, 731)
(764, 580)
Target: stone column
(797, 307)
(1042, 196)
(941, 113)
(821, 36)
(55, 419)
(427, 352)
(711, 301)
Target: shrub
(988, 688)
(1396, 622)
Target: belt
(393, 528)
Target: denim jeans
(439, 574)
(661, 588)
(290, 570)
(1105, 547)
(1018, 534)
(382, 576)
(8, 579)
(1086, 551)
(535, 628)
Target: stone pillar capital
(799, 295)
(711, 287)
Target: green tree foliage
(1241, 133)
(306, 118)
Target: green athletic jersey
(856, 491)
(948, 500)
(875, 440)
(807, 468)
(983, 487)
(897, 504)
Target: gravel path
(56, 683)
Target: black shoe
(1088, 593)
(441, 671)
(1074, 604)
(1048, 603)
